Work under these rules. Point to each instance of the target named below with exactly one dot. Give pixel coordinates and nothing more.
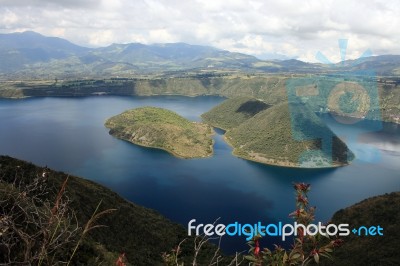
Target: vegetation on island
(284, 135)
(163, 129)
(233, 112)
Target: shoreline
(284, 165)
(208, 155)
(394, 121)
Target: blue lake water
(68, 134)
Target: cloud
(297, 29)
(49, 3)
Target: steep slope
(20, 49)
(381, 210)
(141, 233)
(232, 113)
(281, 135)
(162, 129)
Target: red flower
(301, 199)
(121, 260)
(296, 213)
(302, 187)
(257, 248)
(337, 242)
(313, 252)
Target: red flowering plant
(121, 260)
(305, 249)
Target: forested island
(285, 134)
(163, 129)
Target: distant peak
(29, 32)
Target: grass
(163, 129)
(143, 234)
(383, 210)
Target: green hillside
(162, 129)
(381, 210)
(141, 233)
(232, 113)
(293, 137)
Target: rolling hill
(173, 56)
(230, 114)
(30, 55)
(284, 135)
(163, 129)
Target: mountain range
(32, 55)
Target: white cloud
(101, 37)
(161, 36)
(296, 28)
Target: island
(288, 135)
(163, 129)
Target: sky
(264, 28)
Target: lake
(68, 134)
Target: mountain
(382, 65)
(18, 50)
(285, 135)
(174, 56)
(29, 55)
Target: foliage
(32, 229)
(37, 227)
(142, 234)
(306, 248)
(383, 210)
(163, 129)
(279, 135)
(176, 258)
(233, 112)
